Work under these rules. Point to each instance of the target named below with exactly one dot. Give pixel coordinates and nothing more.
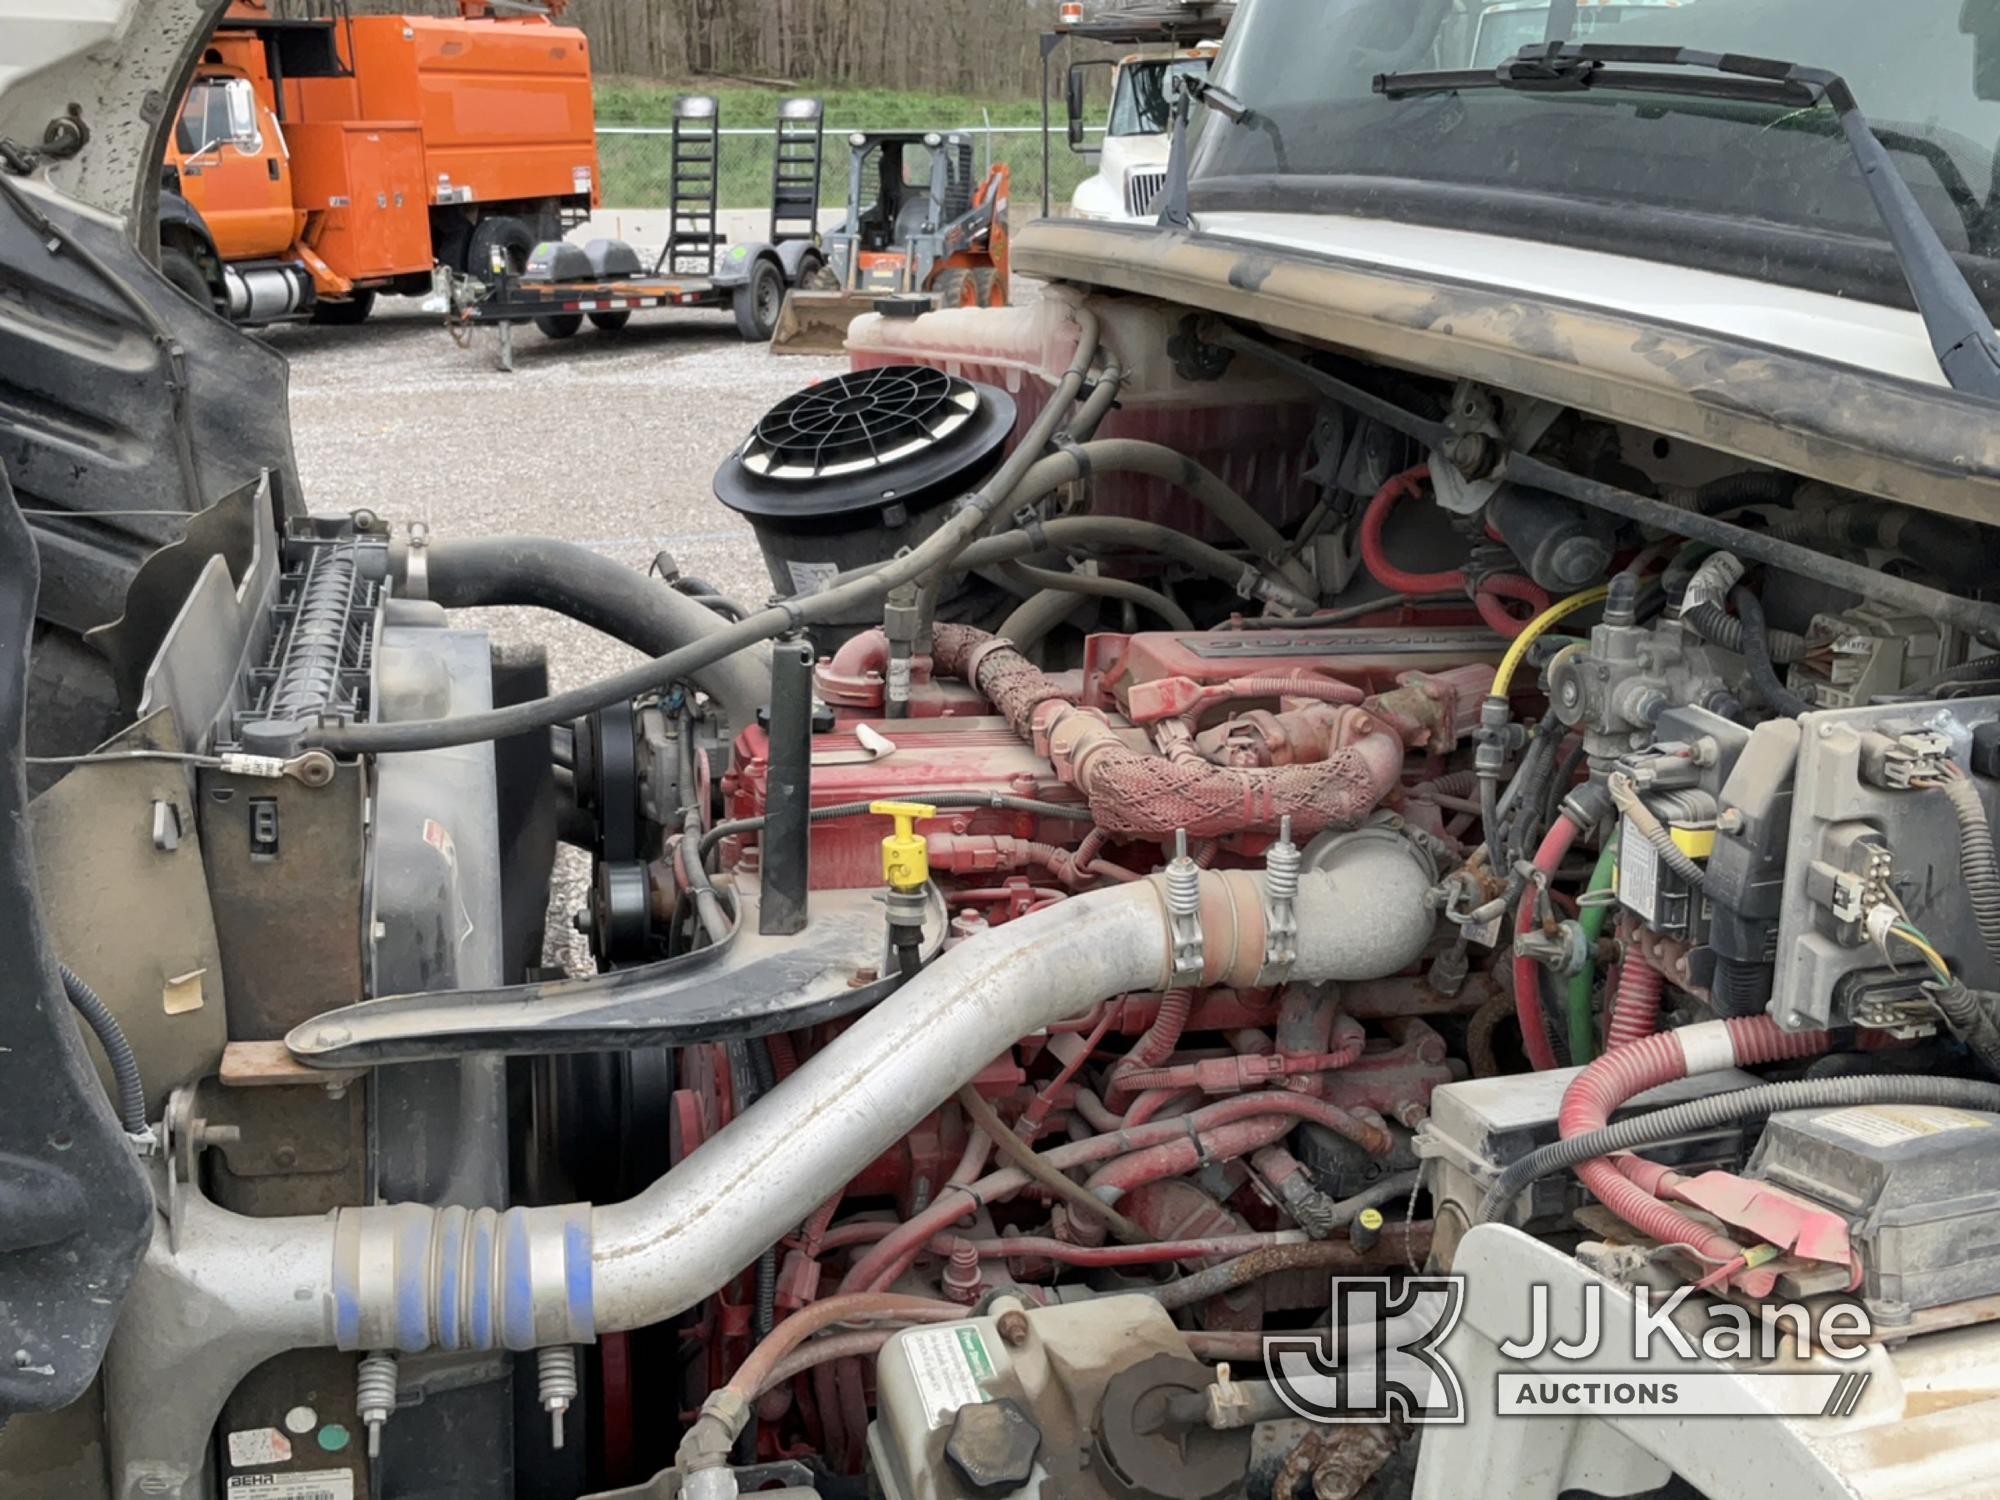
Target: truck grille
(1141, 188)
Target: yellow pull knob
(905, 864)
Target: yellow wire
(1936, 959)
(1537, 627)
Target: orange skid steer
(920, 233)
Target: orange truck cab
(317, 162)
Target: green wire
(1582, 1024)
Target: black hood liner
(75, 1206)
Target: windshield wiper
(1961, 334)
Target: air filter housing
(849, 471)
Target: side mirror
(241, 100)
(1073, 98)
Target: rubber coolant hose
(1673, 1122)
(593, 590)
(1373, 556)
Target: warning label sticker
(306, 1484)
(1638, 875)
(259, 1445)
(950, 1367)
(812, 577)
(1893, 1124)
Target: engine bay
(1198, 818)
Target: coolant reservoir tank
(1041, 1401)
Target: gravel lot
(608, 440)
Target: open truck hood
(117, 394)
(1841, 391)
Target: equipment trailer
(606, 281)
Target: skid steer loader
(920, 233)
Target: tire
(611, 322)
(986, 287)
(758, 301)
(181, 268)
(954, 288)
(513, 238)
(820, 278)
(348, 312)
(560, 325)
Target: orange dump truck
(319, 161)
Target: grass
(635, 168)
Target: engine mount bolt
(556, 1385)
(375, 1395)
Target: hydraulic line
(1029, 1160)
(1536, 628)
(933, 554)
(1675, 1122)
(1047, 580)
(1399, 487)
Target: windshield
(1144, 102)
(1749, 188)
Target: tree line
(986, 47)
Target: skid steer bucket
(816, 322)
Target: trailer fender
(734, 265)
(795, 256)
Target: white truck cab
(1132, 160)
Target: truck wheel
(348, 311)
(180, 268)
(756, 303)
(560, 325)
(986, 286)
(510, 237)
(611, 322)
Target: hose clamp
(417, 567)
(1184, 915)
(1281, 920)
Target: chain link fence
(636, 162)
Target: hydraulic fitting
(375, 1382)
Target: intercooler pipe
(411, 1277)
(593, 590)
